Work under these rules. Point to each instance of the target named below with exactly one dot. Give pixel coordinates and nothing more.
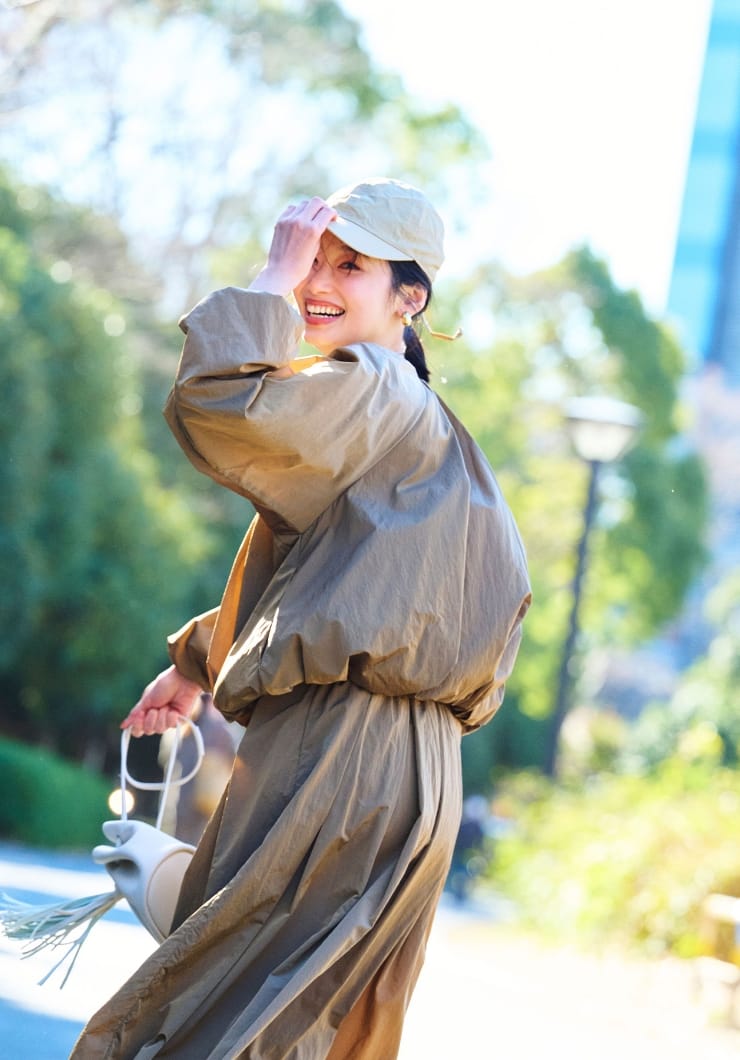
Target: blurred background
(586, 158)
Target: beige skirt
(304, 915)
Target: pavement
(486, 990)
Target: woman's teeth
(322, 311)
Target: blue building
(704, 296)
(704, 308)
(704, 305)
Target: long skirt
(303, 918)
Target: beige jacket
(383, 552)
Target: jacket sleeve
(188, 648)
(292, 444)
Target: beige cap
(388, 219)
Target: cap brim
(365, 242)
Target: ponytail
(409, 274)
(414, 353)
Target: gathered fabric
(309, 900)
(383, 551)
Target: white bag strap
(164, 785)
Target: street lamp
(601, 430)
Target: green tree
(253, 103)
(564, 332)
(93, 548)
(269, 99)
(701, 720)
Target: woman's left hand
(166, 699)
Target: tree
(93, 548)
(193, 164)
(188, 126)
(194, 123)
(701, 720)
(563, 332)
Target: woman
(371, 617)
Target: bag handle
(164, 785)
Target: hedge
(49, 802)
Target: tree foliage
(564, 332)
(195, 123)
(701, 721)
(185, 127)
(93, 548)
(630, 863)
(110, 546)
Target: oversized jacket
(383, 552)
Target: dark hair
(409, 274)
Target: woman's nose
(320, 276)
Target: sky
(587, 107)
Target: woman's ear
(412, 298)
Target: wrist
(272, 281)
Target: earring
(406, 318)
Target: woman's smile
(321, 312)
(346, 298)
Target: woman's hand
(167, 698)
(295, 244)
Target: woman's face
(347, 298)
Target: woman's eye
(349, 266)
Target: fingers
(306, 221)
(151, 721)
(314, 211)
(167, 698)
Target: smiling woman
(353, 286)
(345, 294)
(371, 618)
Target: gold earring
(406, 318)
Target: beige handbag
(145, 863)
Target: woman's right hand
(295, 244)
(166, 699)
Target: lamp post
(601, 431)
